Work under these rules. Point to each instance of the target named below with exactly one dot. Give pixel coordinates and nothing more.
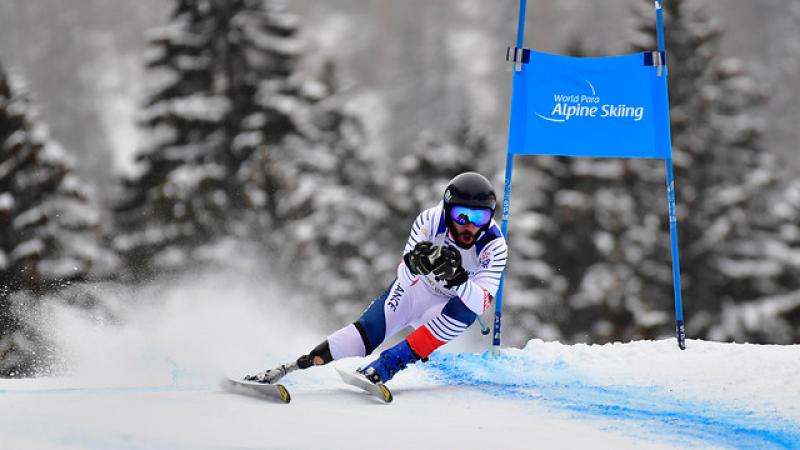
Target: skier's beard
(466, 238)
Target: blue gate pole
(498, 305)
(680, 329)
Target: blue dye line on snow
(557, 385)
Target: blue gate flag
(610, 107)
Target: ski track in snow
(558, 386)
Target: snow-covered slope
(149, 380)
(639, 395)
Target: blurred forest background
(143, 139)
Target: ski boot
(390, 362)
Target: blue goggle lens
(463, 215)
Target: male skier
(451, 269)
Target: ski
(277, 392)
(379, 390)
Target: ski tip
(387, 394)
(284, 393)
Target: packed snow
(145, 374)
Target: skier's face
(465, 234)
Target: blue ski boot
(390, 362)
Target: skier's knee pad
(369, 334)
(456, 309)
(320, 355)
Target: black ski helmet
(469, 189)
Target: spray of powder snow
(188, 331)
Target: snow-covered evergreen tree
(249, 145)
(331, 220)
(727, 182)
(215, 64)
(770, 318)
(583, 231)
(419, 177)
(592, 249)
(48, 226)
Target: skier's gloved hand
(418, 259)
(447, 267)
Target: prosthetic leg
(320, 355)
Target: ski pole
(484, 329)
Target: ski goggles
(463, 215)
